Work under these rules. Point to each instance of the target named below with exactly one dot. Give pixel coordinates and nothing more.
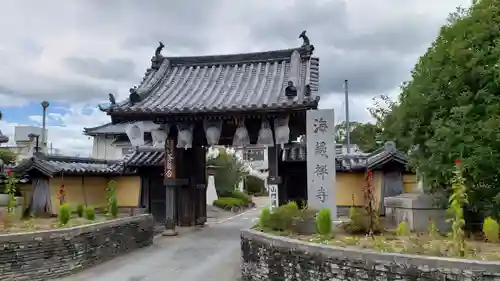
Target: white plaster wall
(103, 148)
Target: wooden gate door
(157, 197)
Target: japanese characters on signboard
(321, 159)
(273, 195)
(169, 157)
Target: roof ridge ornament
(112, 99)
(134, 97)
(305, 39)
(306, 43)
(158, 57)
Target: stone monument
(320, 142)
(417, 209)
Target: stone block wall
(44, 255)
(271, 258)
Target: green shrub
(240, 195)
(113, 207)
(90, 213)
(264, 219)
(228, 202)
(403, 229)
(282, 218)
(324, 222)
(64, 214)
(254, 185)
(491, 230)
(79, 210)
(360, 222)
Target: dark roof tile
(241, 82)
(144, 157)
(52, 165)
(352, 162)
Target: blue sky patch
(21, 114)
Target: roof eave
(227, 111)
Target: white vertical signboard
(321, 189)
(273, 195)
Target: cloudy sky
(72, 53)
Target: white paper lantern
(135, 133)
(159, 138)
(241, 137)
(265, 134)
(185, 136)
(213, 130)
(282, 130)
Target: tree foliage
(8, 156)
(450, 108)
(365, 135)
(229, 173)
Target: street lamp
(45, 104)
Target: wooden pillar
(170, 184)
(200, 187)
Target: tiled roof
(115, 129)
(142, 157)
(342, 162)
(352, 162)
(51, 165)
(239, 82)
(147, 156)
(386, 153)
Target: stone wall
(45, 255)
(270, 258)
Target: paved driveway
(210, 254)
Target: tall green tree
(450, 108)
(365, 135)
(230, 171)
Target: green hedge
(241, 195)
(254, 185)
(229, 202)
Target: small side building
(110, 141)
(85, 181)
(391, 176)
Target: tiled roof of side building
(240, 82)
(147, 156)
(115, 129)
(352, 162)
(51, 165)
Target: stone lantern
(211, 191)
(212, 170)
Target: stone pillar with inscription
(321, 181)
(170, 184)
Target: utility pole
(347, 122)
(45, 104)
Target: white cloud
(67, 135)
(373, 44)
